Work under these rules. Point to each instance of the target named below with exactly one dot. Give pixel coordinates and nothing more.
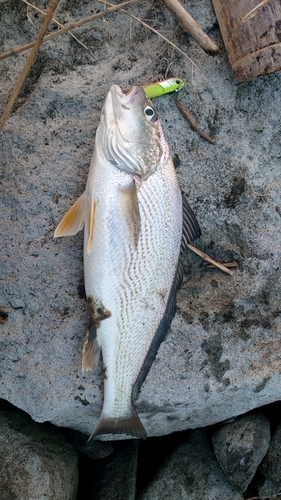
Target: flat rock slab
(222, 355)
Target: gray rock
(117, 476)
(267, 489)
(191, 472)
(35, 463)
(221, 356)
(93, 449)
(270, 469)
(240, 447)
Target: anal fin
(91, 349)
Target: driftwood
(252, 35)
(254, 11)
(190, 25)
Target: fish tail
(131, 426)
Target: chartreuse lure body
(157, 89)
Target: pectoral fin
(129, 207)
(91, 210)
(73, 220)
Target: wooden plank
(253, 46)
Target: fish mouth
(125, 100)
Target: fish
(136, 224)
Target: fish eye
(150, 113)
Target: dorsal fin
(73, 220)
(190, 227)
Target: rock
(267, 489)
(35, 463)
(269, 483)
(240, 447)
(191, 472)
(117, 476)
(93, 449)
(221, 356)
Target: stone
(191, 472)
(267, 489)
(269, 481)
(116, 479)
(35, 463)
(240, 447)
(93, 449)
(221, 355)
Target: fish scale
(134, 220)
(144, 278)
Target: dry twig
(209, 259)
(154, 31)
(229, 265)
(193, 123)
(190, 25)
(59, 24)
(254, 11)
(29, 62)
(68, 27)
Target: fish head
(132, 134)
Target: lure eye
(150, 113)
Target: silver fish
(136, 223)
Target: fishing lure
(162, 87)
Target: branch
(154, 31)
(68, 27)
(193, 123)
(190, 25)
(29, 62)
(209, 259)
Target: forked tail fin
(130, 426)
